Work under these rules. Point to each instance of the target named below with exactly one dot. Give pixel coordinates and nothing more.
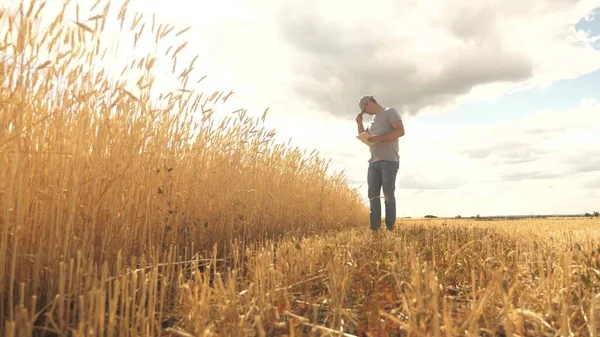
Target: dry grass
(107, 184)
(428, 278)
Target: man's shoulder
(392, 112)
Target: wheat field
(105, 179)
(127, 210)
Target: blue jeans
(382, 174)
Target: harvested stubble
(429, 278)
(108, 186)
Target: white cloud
(547, 162)
(427, 54)
(419, 55)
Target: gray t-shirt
(381, 124)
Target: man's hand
(359, 118)
(374, 139)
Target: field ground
(536, 277)
(428, 278)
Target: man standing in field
(385, 128)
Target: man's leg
(374, 179)
(389, 171)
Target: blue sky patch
(562, 95)
(591, 25)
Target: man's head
(369, 105)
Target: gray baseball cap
(362, 104)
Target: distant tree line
(477, 217)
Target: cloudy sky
(501, 99)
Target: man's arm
(359, 123)
(361, 128)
